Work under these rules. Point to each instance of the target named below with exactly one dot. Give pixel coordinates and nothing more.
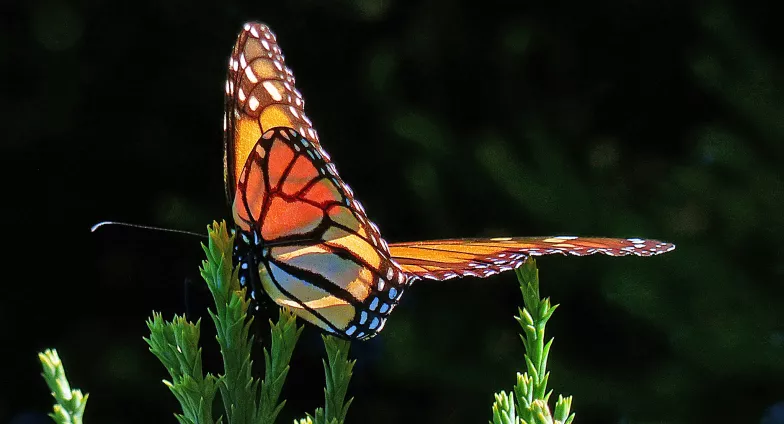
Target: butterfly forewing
(445, 259)
(260, 95)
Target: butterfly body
(300, 224)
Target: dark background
(617, 118)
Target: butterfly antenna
(95, 227)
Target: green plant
(529, 404)
(69, 405)
(247, 399)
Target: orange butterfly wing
(298, 221)
(445, 259)
(260, 95)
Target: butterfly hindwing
(323, 258)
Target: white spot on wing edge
(558, 239)
(253, 103)
(251, 76)
(272, 90)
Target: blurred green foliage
(651, 119)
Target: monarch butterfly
(299, 223)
